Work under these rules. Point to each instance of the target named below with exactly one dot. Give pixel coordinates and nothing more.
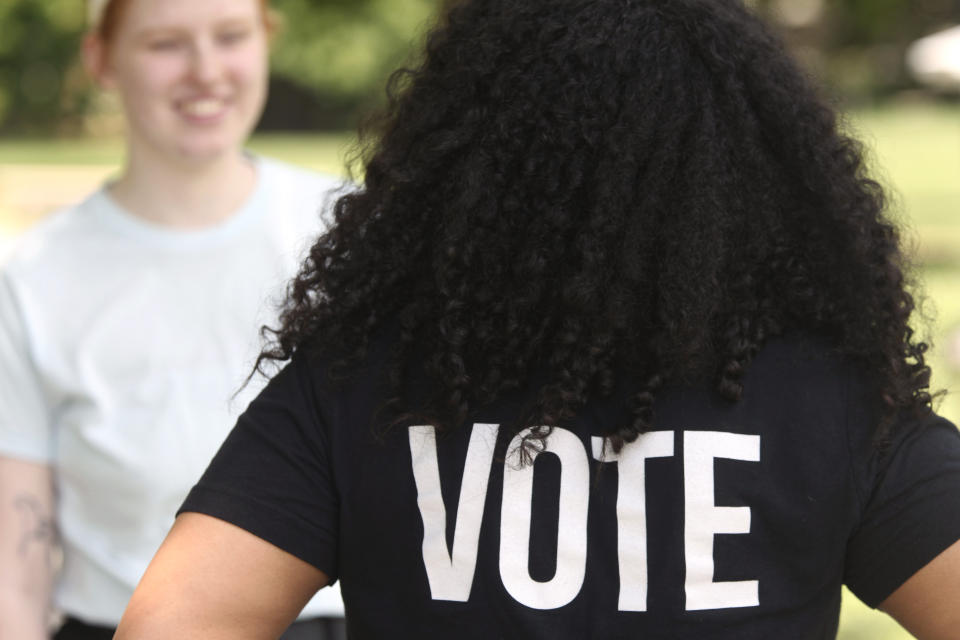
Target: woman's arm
(928, 604)
(27, 540)
(213, 580)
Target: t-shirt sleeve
(25, 416)
(272, 475)
(911, 508)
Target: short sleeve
(271, 476)
(25, 419)
(911, 511)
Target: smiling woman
(117, 394)
(192, 79)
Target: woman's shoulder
(298, 178)
(808, 374)
(804, 355)
(298, 197)
(812, 369)
(57, 237)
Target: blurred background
(891, 66)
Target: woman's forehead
(162, 14)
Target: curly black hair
(604, 190)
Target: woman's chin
(195, 152)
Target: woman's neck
(185, 195)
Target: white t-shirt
(121, 345)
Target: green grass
(70, 151)
(324, 151)
(860, 622)
(915, 150)
(916, 153)
(917, 147)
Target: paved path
(28, 192)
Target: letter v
(451, 574)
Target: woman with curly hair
(614, 341)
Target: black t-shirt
(727, 521)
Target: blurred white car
(935, 59)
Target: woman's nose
(205, 63)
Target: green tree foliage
(346, 47)
(860, 45)
(39, 40)
(332, 57)
(331, 52)
(874, 22)
(868, 22)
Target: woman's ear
(96, 60)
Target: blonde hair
(95, 9)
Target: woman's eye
(164, 45)
(233, 37)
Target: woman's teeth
(203, 108)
